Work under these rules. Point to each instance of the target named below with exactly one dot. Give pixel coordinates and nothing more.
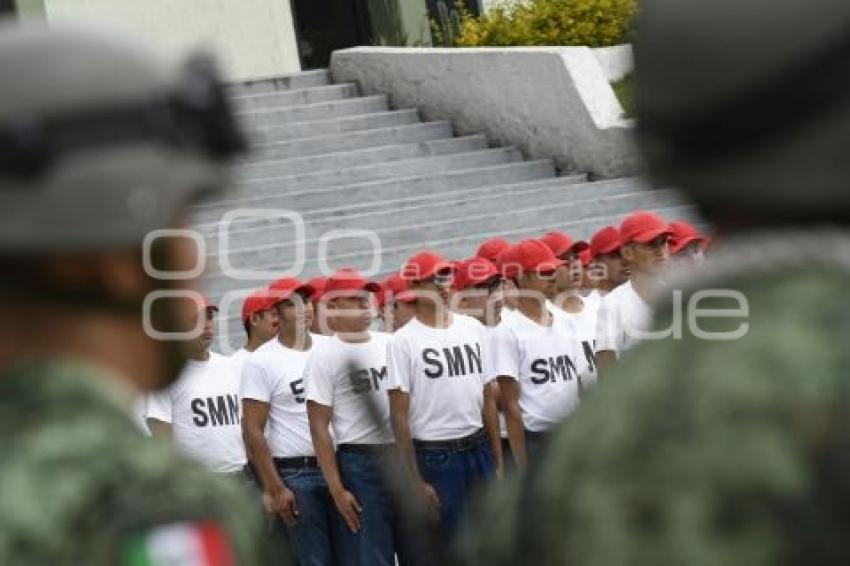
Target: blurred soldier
(100, 144)
(729, 445)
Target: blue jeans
(455, 475)
(382, 533)
(310, 537)
(536, 444)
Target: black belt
(366, 448)
(457, 445)
(296, 462)
(537, 435)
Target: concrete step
(531, 222)
(378, 191)
(282, 184)
(284, 98)
(302, 80)
(329, 130)
(252, 231)
(251, 235)
(341, 211)
(270, 117)
(454, 221)
(359, 157)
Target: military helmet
(746, 105)
(101, 141)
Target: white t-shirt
(274, 374)
(203, 409)
(501, 345)
(547, 363)
(331, 382)
(140, 409)
(239, 356)
(444, 370)
(622, 316)
(585, 322)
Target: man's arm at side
(278, 497)
(509, 390)
(320, 419)
(400, 417)
(490, 417)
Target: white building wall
(252, 38)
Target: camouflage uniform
(69, 495)
(681, 457)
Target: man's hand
(430, 496)
(281, 502)
(348, 507)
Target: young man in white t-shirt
(607, 269)
(574, 297)
(687, 245)
(438, 371)
(321, 322)
(346, 379)
(478, 293)
(200, 411)
(395, 303)
(624, 312)
(541, 388)
(260, 320)
(273, 394)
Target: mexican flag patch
(181, 544)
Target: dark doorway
(7, 7)
(322, 26)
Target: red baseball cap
(474, 271)
(424, 265)
(348, 281)
(529, 255)
(492, 248)
(318, 285)
(394, 288)
(257, 301)
(560, 243)
(283, 288)
(605, 241)
(683, 234)
(585, 256)
(642, 227)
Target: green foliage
(595, 23)
(446, 28)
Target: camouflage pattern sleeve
(79, 484)
(700, 452)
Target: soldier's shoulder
(81, 484)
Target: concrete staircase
(346, 178)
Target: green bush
(595, 23)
